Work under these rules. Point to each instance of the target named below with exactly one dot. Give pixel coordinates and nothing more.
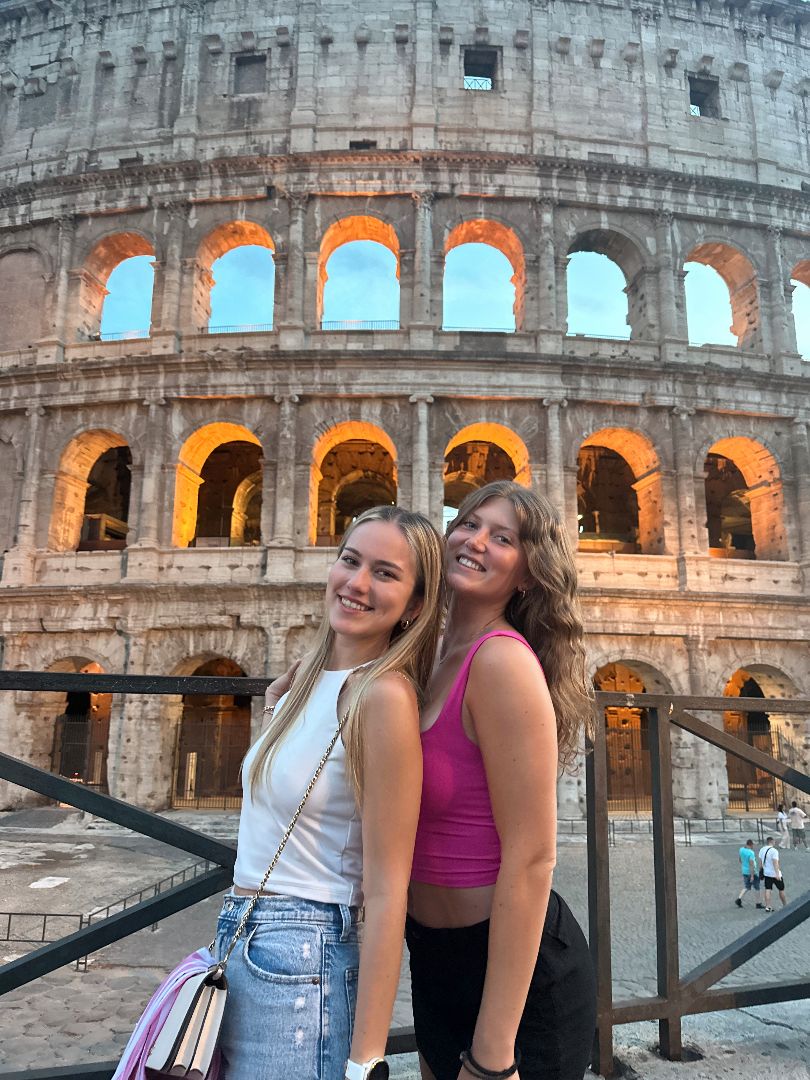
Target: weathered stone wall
(180, 131)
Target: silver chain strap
(220, 968)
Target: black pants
(556, 1031)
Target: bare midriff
(441, 907)
(237, 890)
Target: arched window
(218, 488)
(706, 304)
(212, 739)
(744, 501)
(750, 788)
(234, 289)
(800, 280)
(107, 302)
(358, 276)
(354, 468)
(81, 730)
(91, 494)
(607, 287)
(484, 278)
(627, 734)
(477, 455)
(127, 310)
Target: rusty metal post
(666, 897)
(599, 895)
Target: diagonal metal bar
(97, 935)
(122, 813)
(132, 684)
(745, 947)
(634, 1010)
(732, 745)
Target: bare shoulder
(393, 692)
(499, 656)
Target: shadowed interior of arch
(354, 475)
(629, 780)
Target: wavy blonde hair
(547, 614)
(411, 651)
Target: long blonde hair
(547, 614)
(410, 652)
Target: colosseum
(170, 498)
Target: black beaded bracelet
(472, 1067)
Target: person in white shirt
(783, 840)
(769, 861)
(797, 816)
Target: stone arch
(212, 736)
(346, 230)
(738, 272)
(503, 238)
(627, 253)
(245, 517)
(469, 462)
(72, 484)
(754, 522)
(24, 278)
(626, 728)
(219, 241)
(781, 735)
(620, 507)
(90, 281)
(194, 453)
(368, 458)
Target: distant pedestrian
(797, 816)
(771, 873)
(783, 840)
(750, 872)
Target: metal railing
(478, 329)
(239, 328)
(478, 82)
(124, 335)
(360, 324)
(677, 995)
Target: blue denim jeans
(292, 988)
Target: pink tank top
(457, 844)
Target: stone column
(800, 454)
(60, 331)
(292, 319)
(420, 458)
(166, 297)
(704, 774)
(685, 481)
(303, 113)
(671, 293)
(285, 509)
(125, 744)
(19, 563)
(423, 109)
(268, 469)
(421, 315)
(776, 299)
(561, 291)
(152, 496)
(555, 473)
(546, 273)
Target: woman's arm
(515, 728)
(276, 690)
(392, 788)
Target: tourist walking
(302, 1004)
(771, 873)
(796, 816)
(750, 872)
(502, 979)
(783, 839)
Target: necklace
(444, 648)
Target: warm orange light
(635, 448)
(70, 485)
(356, 227)
(232, 234)
(503, 437)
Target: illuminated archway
(222, 243)
(213, 736)
(73, 485)
(603, 286)
(478, 454)
(194, 454)
(619, 493)
(744, 501)
(505, 240)
(359, 227)
(354, 467)
(739, 274)
(107, 254)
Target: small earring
(522, 593)
(406, 623)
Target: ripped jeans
(292, 988)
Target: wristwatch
(376, 1069)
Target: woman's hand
(279, 687)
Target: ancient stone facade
(653, 133)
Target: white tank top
(323, 859)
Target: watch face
(379, 1072)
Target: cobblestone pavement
(70, 1017)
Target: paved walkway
(52, 861)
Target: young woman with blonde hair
(503, 984)
(305, 1003)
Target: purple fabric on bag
(132, 1065)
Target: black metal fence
(677, 995)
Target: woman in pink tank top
(502, 979)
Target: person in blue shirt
(750, 872)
